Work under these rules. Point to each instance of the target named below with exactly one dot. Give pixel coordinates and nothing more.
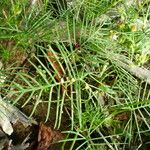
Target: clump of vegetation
(5, 54)
(87, 60)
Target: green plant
(92, 49)
(4, 54)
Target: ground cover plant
(80, 66)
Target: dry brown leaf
(53, 59)
(56, 65)
(46, 137)
(122, 116)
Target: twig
(140, 72)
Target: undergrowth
(74, 52)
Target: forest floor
(75, 75)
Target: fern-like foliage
(78, 72)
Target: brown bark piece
(46, 137)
